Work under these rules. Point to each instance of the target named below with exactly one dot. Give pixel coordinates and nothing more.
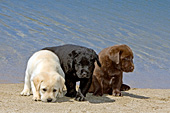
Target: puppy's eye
(54, 90)
(44, 89)
(126, 58)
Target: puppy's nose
(49, 100)
(132, 67)
(84, 74)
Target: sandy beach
(133, 101)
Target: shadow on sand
(105, 99)
(99, 99)
(134, 95)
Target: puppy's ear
(114, 55)
(95, 57)
(61, 80)
(98, 62)
(37, 82)
(70, 60)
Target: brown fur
(107, 79)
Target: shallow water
(29, 25)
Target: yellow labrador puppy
(44, 76)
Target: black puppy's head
(83, 62)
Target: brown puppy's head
(122, 56)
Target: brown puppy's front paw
(124, 87)
(98, 94)
(116, 92)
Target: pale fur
(44, 73)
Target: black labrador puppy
(77, 63)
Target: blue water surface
(26, 26)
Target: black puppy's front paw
(80, 96)
(72, 94)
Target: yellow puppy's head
(49, 86)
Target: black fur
(78, 64)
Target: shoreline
(134, 100)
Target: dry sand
(134, 100)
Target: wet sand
(133, 101)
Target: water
(29, 25)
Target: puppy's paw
(80, 96)
(116, 92)
(36, 98)
(73, 94)
(60, 95)
(25, 92)
(98, 93)
(124, 87)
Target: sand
(133, 101)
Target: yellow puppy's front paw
(60, 95)
(25, 92)
(36, 98)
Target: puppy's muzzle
(49, 100)
(84, 74)
(130, 69)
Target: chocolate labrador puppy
(107, 79)
(77, 63)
